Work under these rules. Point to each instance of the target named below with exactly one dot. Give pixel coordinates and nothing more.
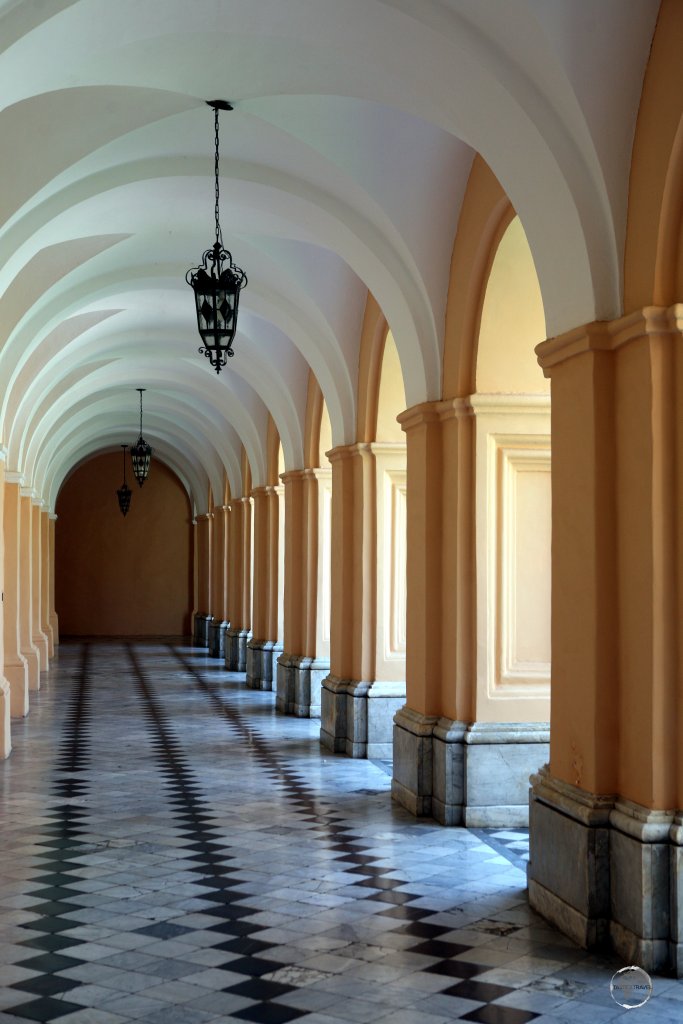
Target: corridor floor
(174, 852)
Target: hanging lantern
(217, 282)
(124, 491)
(141, 452)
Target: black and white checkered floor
(175, 852)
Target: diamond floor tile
(174, 851)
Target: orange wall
(116, 576)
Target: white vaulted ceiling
(343, 168)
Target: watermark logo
(631, 987)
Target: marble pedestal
(201, 629)
(284, 684)
(262, 658)
(236, 641)
(676, 887)
(357, 717)
(299, 681)
(217, 631)
(606, 872)
(5, 734)
(16, 674)
(476, 774)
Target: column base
(308, 677)
(217, 630)
(5, 733)
(640, 885)
(32, 659)
(236, 641)
(676, 876)
(299, 684)
(499, 757)
(411, 785)
(357, 717)
(284, 697)
(39, 641)
(262, 658)
(568, 873)
(16, 673)
(479, 772)
(200, 634)
(54, 626)
(448, 767)
(606, 872)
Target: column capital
(12, 477)
(610, 335)
(292, 476)
(434, 412)
(362, 448)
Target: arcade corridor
(174, 851)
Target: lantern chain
(218, 227)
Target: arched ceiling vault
(343, 170)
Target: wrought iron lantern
(217, 282)
(141, 452)
(124, 491)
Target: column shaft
(39, 638)
(45, 581)
(28, 649)
(52, 612)
(16, 665)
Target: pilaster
(53, 617)
(5, 686)
(305, 658)
(27, 647)
(219, 571)
(366, 685)
(203, 616)
(440, 602)
(239, 585)
(16, 665)
(261, 665)
(38, 637)
(45, 581)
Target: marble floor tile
(175, 852)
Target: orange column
(609, 796)
(235, 585)
(429, 731)
(45, 581)
(353, 600)
(246, 602)
(294, 588)
(28, 648)
(276, 583)
(261, 583)
(203, 614)
(39, 638)
(305, 658)
(53, 617)
(5, 685)
(16, 665)
(218, 623)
